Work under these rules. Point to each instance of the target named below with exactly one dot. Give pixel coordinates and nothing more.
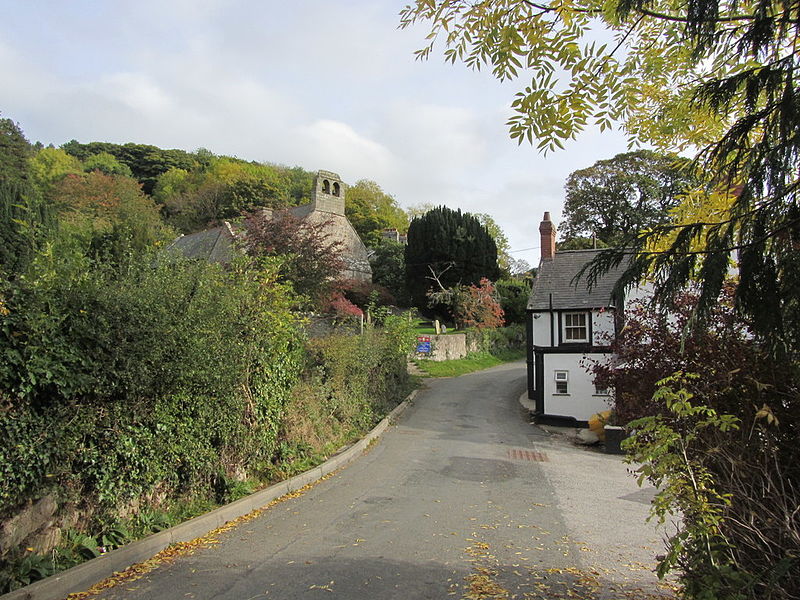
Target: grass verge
(474, 362)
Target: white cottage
(568, 324)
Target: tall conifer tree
(450, 245)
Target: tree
(471, 305)
(451, 246)
(14, 153)
(227, 188)
(500, 240)
(146, 162)
(581, 243)
(25, 219)
(49, 165)
(513, 295)
(25, 222)
(709, 74)
(106, 163)
(417, 210)
(389, 269)
(519, 267)
(371, 210)
(109, 212)
(310, 259)
(631, 192)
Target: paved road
(462, 498)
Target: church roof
(213, 245)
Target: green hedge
(497, 341)
(162, 375)
(161, 385)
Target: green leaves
(541, 40)
(669, 449)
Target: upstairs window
(576, 327)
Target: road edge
(83, 576)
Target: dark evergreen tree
(451, 246)
(24, 218)
(14, 153)
(24, 221)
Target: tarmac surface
(462, 498)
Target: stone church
(327, 205)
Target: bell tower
(328, 193)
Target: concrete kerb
(568, 432)
(85, 575)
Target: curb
(527, 404)
(81, 577)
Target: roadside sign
(423, 344)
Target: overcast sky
(323, 84)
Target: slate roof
(213, 245)
(302, 211)
(556, 276)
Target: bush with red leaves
(364, 293)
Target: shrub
(163, 375)
(350, 382)
(725, 441)
(364, 293)
(341, 307)
(513, 295)
(471, 306)
(311, 258)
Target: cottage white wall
(581, 402)
(640, 292)
(602, 327)
(541, 329)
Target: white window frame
(561, 377)
(565, 327)
(598, 391)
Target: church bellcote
(328, 193)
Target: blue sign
(423, 344)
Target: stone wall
(449, 347)
(37, 525)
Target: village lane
(461, 498)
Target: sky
(321, 84)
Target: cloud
(337, 146)
(312, 83)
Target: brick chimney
(548, 235)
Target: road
(462, 498)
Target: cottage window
(576, 327)
(562, 382)
(600, 390)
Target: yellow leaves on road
(480, 586)
(175, 551)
